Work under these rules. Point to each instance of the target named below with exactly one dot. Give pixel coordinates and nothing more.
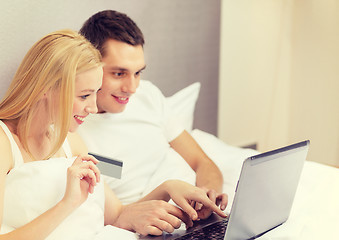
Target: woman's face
(86, 86)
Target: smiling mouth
(79, 119)
(121, 100)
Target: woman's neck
(38, 138)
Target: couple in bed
(49, 187)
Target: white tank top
(16, 153)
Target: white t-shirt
(139, 136)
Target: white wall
(315, 74)
(254, 60)
(279, 75)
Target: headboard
(182, 41)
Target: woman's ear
(46, 97)
(47, 94)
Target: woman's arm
(42, 226)
(6, 163)
(113, 206)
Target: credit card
(108, 166)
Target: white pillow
(183, 103)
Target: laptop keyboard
(214, 231)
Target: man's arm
(208, 175)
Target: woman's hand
(186, 196)
(82, 177)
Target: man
(133, 123)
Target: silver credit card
(108, 166)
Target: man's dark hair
(110, 24)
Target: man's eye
(138, 73)
(118, 74)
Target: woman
(45, 193)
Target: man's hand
(220, 199)
(208, 175)
(152, 217)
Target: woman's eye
(84, 97)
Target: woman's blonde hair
(51, 64)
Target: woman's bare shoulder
(6, 160)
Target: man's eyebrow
(143, 68)
(117, 68)
(124, 69)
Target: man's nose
(130, 85)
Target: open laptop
(263, 198)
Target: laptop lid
(265, 191)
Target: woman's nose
(92, 108)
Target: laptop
(263, 198)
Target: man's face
(123, 66)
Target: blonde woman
(45, 192)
